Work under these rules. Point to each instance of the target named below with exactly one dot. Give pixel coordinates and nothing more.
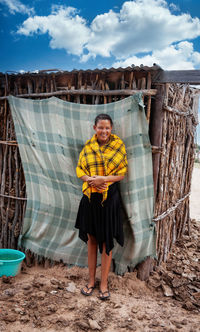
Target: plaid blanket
(51, 133)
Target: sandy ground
(44, 300)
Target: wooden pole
(125, 92)
(155, 132)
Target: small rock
(137, 296)
(66, 296)
(17, 310)
(196, 295)
(177, 282)
(25, 303)
(117, 306)
(24, 319)
(178, 326)
(41, 295)
(57, 283)
(128, 326)
(54, 281)
(184, 322)
(9, 292)
(52, 308)
(154, 324)
(94, 325)
(189, 276)
(71, 287)
(163, 324)
(38, 283)
(71, 307)
(196, 289)
(167, 290)
(154, 283)
(188, 306)
(61, 320)
(7, 280)
(26, 286)
(2, 327)
(54, 292)
(178, 271)
(9, 318)
(83, 325)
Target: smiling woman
(103, 127)
(102, 164)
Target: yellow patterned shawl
(109, 159)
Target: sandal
(102, 295)
(89, 290)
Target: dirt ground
(44, 300)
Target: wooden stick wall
(175, 166)
(171, 134)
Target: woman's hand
(99, 182)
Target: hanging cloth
(51, 134)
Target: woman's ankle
(91, 282)
(103, 286)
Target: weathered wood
(155, 132)
(148, 108)
(144, 269)
(14, 143)
(13, 197)
(177, 76)
(6, 229)
(173, 110)
(149, 81)
(171, 209)
(2, 201)
(151, 92)
(171, 201)
(17, 187)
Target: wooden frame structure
(171, 109)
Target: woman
(102, 164)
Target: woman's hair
(103, 116)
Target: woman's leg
(92, 259)
(105, 268)
(92, 262)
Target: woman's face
(103, 130)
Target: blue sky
(78, 34)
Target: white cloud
(141, 26)
(174, 7)
(15, 6)
(66, 29)
(180, 56)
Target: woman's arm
(114, 178)
(102, 180)
(98, 186)
(85, 178)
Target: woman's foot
(87, 290)
(104, 295)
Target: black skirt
(104, 222)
